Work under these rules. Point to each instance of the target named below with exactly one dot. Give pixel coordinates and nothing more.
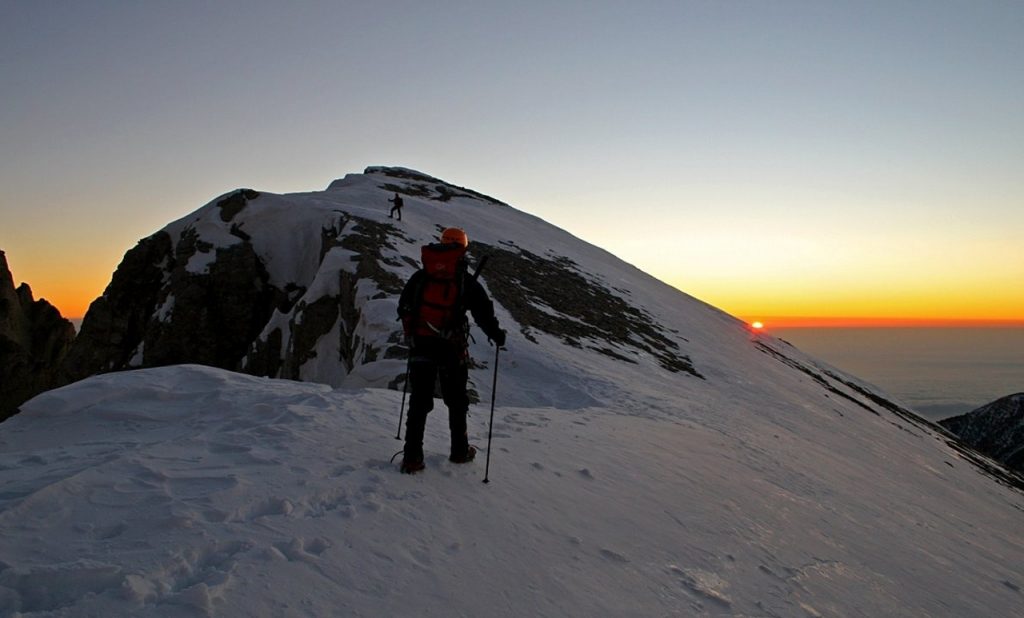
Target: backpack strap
(414, 308)
(460, 288)
(480, 266)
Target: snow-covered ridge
(651, 455)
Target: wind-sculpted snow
(195, 491)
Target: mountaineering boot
(465, 457)
(412, 466)
(412, 455)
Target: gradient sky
(823, 159)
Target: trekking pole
(490, 427)
(405, 387)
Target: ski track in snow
(771, 487)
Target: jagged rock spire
(34, 339)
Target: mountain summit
(304, 287)
(651, 455)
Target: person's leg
(422, 374)
(454, 376)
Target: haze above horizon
(857, 162)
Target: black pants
(432, 359)
(395, 209)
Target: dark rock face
(34, 339)
(235, 202)
(995, 429)
(215, 315)
(155, 312)
(553, 296)
(421, 185)
(116, 321)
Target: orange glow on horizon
(73, 300)
(880, 322)
(71, 289)
(72, 304)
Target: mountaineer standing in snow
(433, 309)
(397, 201)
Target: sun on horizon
(783, 322)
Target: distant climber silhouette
(397, 201)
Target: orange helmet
(455, 235)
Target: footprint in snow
(608, 554)
(342, 470)
(300, 550)
(703, 584)
(220, 448)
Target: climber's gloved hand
(498, 337)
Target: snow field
(186, 490)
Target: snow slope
(764, 483)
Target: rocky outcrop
(235, 202)
(156, 312)
(552, 295)
(200, 292)
(334, 312)
(117, 321)
(34, 339)
(212, 317)
(418, 184)
(995, 429)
